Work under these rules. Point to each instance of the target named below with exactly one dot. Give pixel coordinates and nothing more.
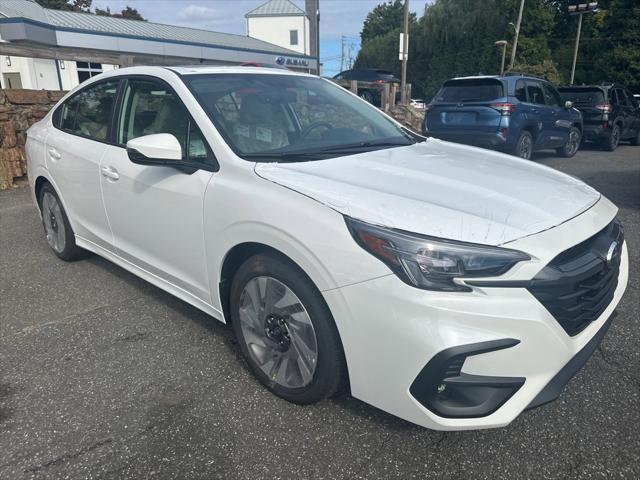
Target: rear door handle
(54, 154)
(110, 172)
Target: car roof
(215, 69)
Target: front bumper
(392, 331)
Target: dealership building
(56, 50)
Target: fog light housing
(446, 391)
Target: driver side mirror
(568, 104)
(157, 149)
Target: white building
(282, 23)
(56, 50)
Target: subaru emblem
(280, 60)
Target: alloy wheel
(278, 332)
(53, 222)
(525, 147)
(573, 143)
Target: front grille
(577, 285)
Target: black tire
(612, 142)
(367, 96)
(570, 148)
(67, 249)
(330, 368)
(524, 145)
(635, 141)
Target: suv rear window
(470, 90)
(583, 96)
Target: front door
(156, 212)
(560, 121)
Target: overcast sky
(337, 17)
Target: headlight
(432, 263)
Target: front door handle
(110, 173)
(54, 154)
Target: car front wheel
(285, 330)
(524, 145)
(573, 144)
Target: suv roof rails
(521, 74)
(606, 84)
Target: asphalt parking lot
(105, 376)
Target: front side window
(272, 116)
(534, 90)
(293, 37)
(551, 97)
(89, 112)
(151, 107)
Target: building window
(87, 70)
(293, 37)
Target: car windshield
(470, 90)
(269, 117)
(583, 96)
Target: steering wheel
(312, 126)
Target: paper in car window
(242, 130)
(263, 134)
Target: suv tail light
(605, 108)
(505, 109)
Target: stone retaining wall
(19, 109)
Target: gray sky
(337, 17)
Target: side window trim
(211, 162)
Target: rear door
(73, 153)
(464, 106)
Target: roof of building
(276, 8)
(89, 22)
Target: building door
(12, 80)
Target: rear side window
(534, 90)
(150, 107)
(88, 113)
(583, 96)
(470, 90)
(521, 91)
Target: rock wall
(19, 109)
(408, 116)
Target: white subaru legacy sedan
(448, 285)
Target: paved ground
(105, 376)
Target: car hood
(440, 189)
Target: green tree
(70, 5)
(383, 19)
(128, 12)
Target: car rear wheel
(285, 330)
(57, 228)
(524, 145)
(572, 145)
(611, 143)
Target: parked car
(418, 104)
(609, 112)
(370, 82)
(449, 285)
(514, 113)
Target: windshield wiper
(321, 152)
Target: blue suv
(515, 113)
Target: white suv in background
(452, 286)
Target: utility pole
(580, 10)
(515, 41)
(405, 52)
(503, 43)
(312, 9)
(341, 53)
